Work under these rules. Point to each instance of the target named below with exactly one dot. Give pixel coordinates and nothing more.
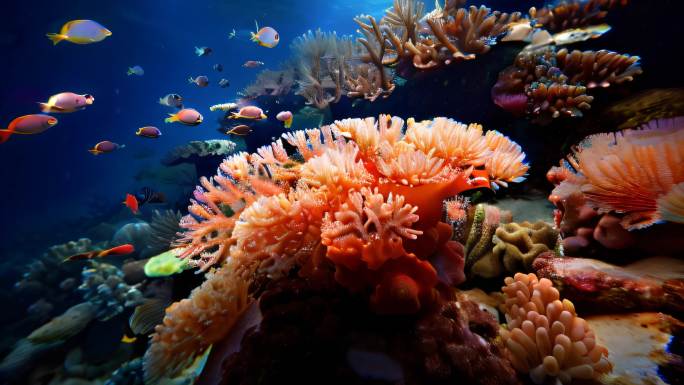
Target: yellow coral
(516, 245)
(544, 336)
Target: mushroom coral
(635, 173)
(547, 84)
(544, 336)
(359, 196)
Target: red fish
(131, 202)
(124, 249)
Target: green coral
(165, 264)
(483, 221)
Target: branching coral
(321, 66)
(547, 84)
(545, 337)
(358, 196)
(636, 173)
(565, 14)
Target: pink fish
(104, 147)
(67, 102)
(253, 64)
(285, 117)
(249, 112)
(187, 116)
(27, 125)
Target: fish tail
(288, 123)
(254, 37)
(191, 80)
(172, 118)
(130, 72)
(56, 37)
(94, 151)
(5, 134)
(234, 115)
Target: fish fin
(5, 134)
(288, 123)
(94, 151)
(172, 118)
(147, 315)
(56, 37)
(256, 25)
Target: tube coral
(545, 337)
(358, 196)
(636, 173)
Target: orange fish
(131, 202)
(124, 249)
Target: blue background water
(50, 180)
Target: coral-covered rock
(649, 284)
(104, 288)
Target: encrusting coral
(360, 196)
(517, 245)
(544, 336)
(546, 83)
(637, 174)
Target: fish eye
(277, 37)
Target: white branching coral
(545, 337)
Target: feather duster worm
(636, 173)
(544, 337)
(360, 196)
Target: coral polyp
(359, 197)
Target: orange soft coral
(359, 195)
(635, 173)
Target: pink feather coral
(544, 336)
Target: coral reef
(517, 245)
(104, 288)
(636, 174)
(547, 83)
(359, 196)
(649, 284)
(544, 336)
(130, 373)
(646, 106)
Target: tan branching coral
(544, 336)
(358, 197)
(547, 84)
(636, 173)
(566, 14)
(321, 66)
(517, 245)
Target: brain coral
(363, 196)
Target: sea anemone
(358, 198)
(636, 173)
(545, 337)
